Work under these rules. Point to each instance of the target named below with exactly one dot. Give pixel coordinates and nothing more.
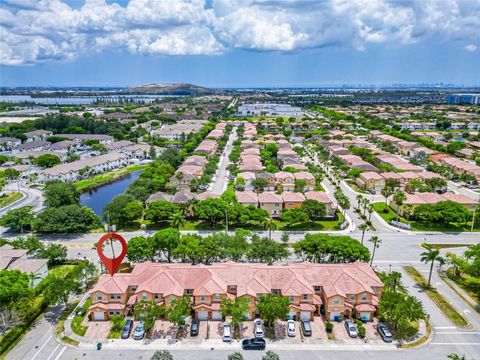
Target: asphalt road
(31, 197)
(220, 180)
(398, 248)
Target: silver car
(351, 329)
(227, 333)
(139, 331)
(291, 328)
(258, 331)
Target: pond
(82, 100)
(96, 199)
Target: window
(305, 296)
(117, 312)
(277, 205)
(276, 291)
(352, 297)
(364, 297)
(110, 312)
(155, 296)
(189, 291)
(202, 298)
(232, 288)
(290, 203)
(144, 296)
(172, 298)
(316, 288)
(99, 296)
(217, 297)
(291, 299)
(134, 288)
(112, 297)
(336, 301)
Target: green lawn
(99, 179)
(116, 334)
(464, 283)
(9, 198)
(447, 309)
(419, 226)
(77, 326)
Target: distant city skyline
(242, 43)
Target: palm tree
(399, 198)
(363, 227)
(408, 211)
(359, 200)
(456, 357)
(370, 211)
(386, 192)
(395, 277)
(375, 240)
(430, 256)
(177, 220)
(32, 277)
(366, 202)
(269, 225)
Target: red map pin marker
(111, 264)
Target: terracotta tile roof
(318, 196)
(293, 197)
(250, 279)
(365, 307)
(269, 197)
(246, 197)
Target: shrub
(270, 355)
(235, 356)
(329, 327)
(361, 331)
(162, 355)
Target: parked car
(253, 344)
(291, 328)
(139, 331)
(227, 333)
(371, 191)
(441, 191)
(351, 329)
(258, 331)
(127, 329)
(194, 327)
(306, 328)
(384, 332)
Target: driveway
(216, 329)
(202, 331)
(98, 330)
(371, 328)
(246, 330)
(281, 332)
(164, 329)
(318, 328)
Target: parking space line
(53, 352)
(61, 352)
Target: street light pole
(473, 217)
(226, 222)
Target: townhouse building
(9, 143)
(84, 168)
(38, 135)
(339, 291)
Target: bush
(162, 355)
(361, 331)
(329, 327)
(270, 355)
(235, 356)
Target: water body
(96, 199)
(82, 100)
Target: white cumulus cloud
(35, 31)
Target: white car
(227, 333)
(291, 328)
(258, 330)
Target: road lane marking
(451, 344)
(53, 352)
(444, 327)
(60, 353)
(458, 332)
(41, 348)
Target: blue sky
(230, 43)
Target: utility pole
(473, 217)
(226, 222)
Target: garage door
(365, 316)
(334, 316)
(216, 315)
(203, 315)
(305, 315)
(292, 315)
(98, 315)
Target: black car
(127, 329)
(253, 344)
(306, 328)
(194, 327)
(384, 332)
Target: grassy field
(463, 282)
(419, 226)
(9, 198)
(100, 179)
(116, 334)
(447, 309)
